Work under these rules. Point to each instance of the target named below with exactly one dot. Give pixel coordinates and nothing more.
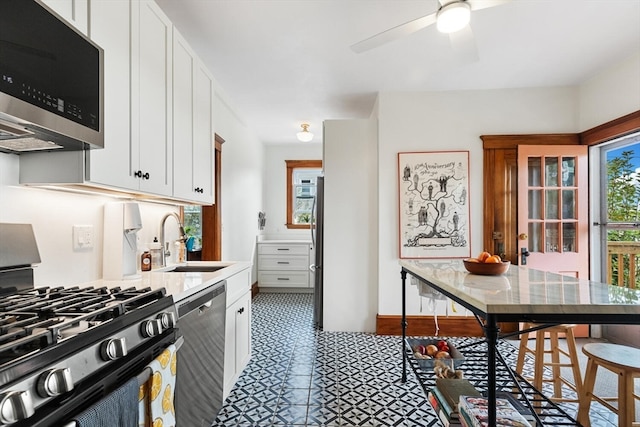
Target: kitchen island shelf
(474, 367)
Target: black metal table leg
(403, 274)
(491, 332)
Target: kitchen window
(301, 190)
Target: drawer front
(300, 249)
(284, 279)
(273, 262)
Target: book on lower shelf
(474, 412)
(450, 390)
(519, 406)
(447, 417)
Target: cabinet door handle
(137, 174)
(283, 262)
(283, 278)
(241, 310)
(283, 249)
(146, 176)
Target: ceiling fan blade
(485, 4)
(394, 33)
(463, 45)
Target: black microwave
(51, 81)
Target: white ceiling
(287, 62)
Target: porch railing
(623, 259)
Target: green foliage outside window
(623, 205)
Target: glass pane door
(553, 219)
(551, 194)
(620, 167)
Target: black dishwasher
(200, 379)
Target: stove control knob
(151, 328)
(167, 320)
(15, 406)
(113, 349)
(54, 382)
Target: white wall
(242, 175)
(613, 93)
(275, 187)
(53, 215)
(445, 121)
(350, 225)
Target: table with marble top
(521, 294)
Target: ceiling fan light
(453, 17)
(304, 135)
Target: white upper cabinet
(74, 12)
(157, 94)
(151, 102)
(203, 144)
(110, 29)
(192, 125)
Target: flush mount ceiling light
(453, 17)
(304, 135)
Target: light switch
(82, 237)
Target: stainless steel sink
(196, 268)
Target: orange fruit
(493, 259)
(472, 260)
(483, 256)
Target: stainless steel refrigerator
(317, 231)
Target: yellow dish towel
(156, 395)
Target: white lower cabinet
(283, 264)
(237, 347)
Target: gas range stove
(63, 349)
(39, 320)
(55, 341)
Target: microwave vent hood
(51, 82)
(16, 138)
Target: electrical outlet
(82, 237)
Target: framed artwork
(434, 204)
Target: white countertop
(524, 290)
(179, 285)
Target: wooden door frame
(499, 149)
(500, 187)
(212, 215)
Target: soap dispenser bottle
(145, 261)
(156, 253)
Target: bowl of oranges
(486, 264)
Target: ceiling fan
(452, 17)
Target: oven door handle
(143, 377)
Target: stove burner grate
(37, 318)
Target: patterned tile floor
(298, 376)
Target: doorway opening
(619, 169)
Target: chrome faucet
(165, 249)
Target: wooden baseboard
(254, 289)
(451, 326)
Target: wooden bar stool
(623, 361)
(555, 362)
